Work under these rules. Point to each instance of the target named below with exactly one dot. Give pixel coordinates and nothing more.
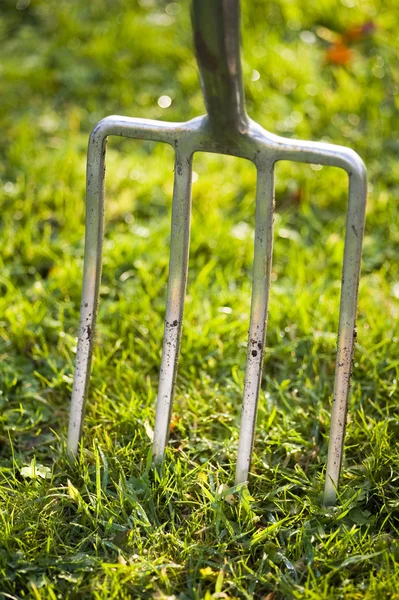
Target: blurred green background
(108, 527)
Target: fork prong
(347, 332)
(95, 176)
(344, 158)
(263, 249)
(179, 251)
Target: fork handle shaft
(216, 31)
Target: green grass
(108, 526)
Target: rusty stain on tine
(225, 129)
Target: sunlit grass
(108, 526)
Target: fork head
(226, 129)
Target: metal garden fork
(226, 129)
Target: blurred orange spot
(339, 54)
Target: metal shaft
(216, 31)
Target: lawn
(108, 525)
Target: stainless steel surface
(95, 172)
(225, 130)
(179, 247)
(216, 34)
(263, 249)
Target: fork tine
(263, 249)
(344, 158)
(95, 185)
(346, 332)
(179, 251)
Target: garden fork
(225, 129)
